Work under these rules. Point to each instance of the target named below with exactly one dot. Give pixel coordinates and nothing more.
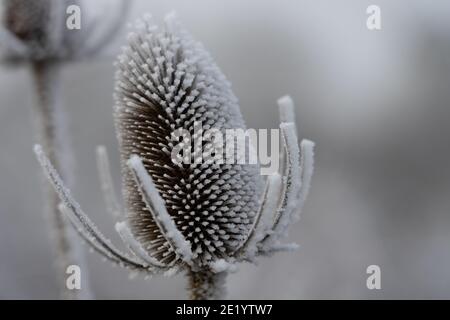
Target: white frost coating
(157, 207)
(203, 218)
(269, 212)
(286, 109)
(166, 81)
(291, 184)
(136, 247)
(281, 202)
(222, 265)
(278, 247)
(292, 177)
(286, 114)
(76, 214)
(172, 271)
(307, 169)
(83, 233)
(106, 181)
(266, 213)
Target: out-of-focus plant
(35, 34)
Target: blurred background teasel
(375, 102)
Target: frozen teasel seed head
(166, 81)
(197, 216)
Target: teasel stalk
(52, 134)
(201, 218)
(34, 33)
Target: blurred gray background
(377, 104)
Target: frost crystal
(199, 217)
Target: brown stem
(52, 136)
(206, 285)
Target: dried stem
(206, 285)
(52, 136)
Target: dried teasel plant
(201, 218)
(34, 34)
(37, 30)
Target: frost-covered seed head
(36, 30)
(167, 81)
